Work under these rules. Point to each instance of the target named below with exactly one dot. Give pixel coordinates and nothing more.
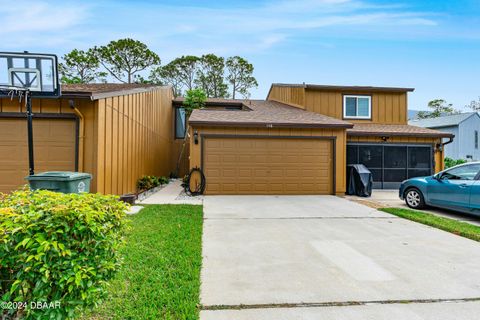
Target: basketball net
(11, 92)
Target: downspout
(450, 140)
(81, 134)
(441, 147)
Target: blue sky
(431, 45)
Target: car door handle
(464, 185)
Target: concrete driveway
(389, 198)
(324, 257)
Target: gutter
(268, 125)
(450, 140)
(108, 94)
(398, 134)
(81, 134)
(103, 95)
(441, 148)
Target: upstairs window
(476, 139)
(180, 123)
(357, 107)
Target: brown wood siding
(125, 137)
(294, 96)
(184, 162)
(438, 157)
(135, 134)
(340, 154)
(387, 108)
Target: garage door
(54, 149)
(268, 165)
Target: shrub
(449, 162)
(147, 182)
(164, 180)
(58, 248)
(154, 181)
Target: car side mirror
(438, 177)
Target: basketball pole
(28, 104)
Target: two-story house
(301, 138)
(297, 141)
(465, 127)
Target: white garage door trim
(333, 140)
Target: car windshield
(467, 172)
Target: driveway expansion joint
(333, 304)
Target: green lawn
(457, 227)
(160, 277)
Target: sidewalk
(172, 194)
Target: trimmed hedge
(58, 249)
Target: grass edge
(459, 228)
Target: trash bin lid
(60, 176)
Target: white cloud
(39, 16)
(176, 29)
(261, 27)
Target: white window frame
(369, 117)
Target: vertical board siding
(294, 96)
(340, 134)
(125, 137)
(387, 108)
(44, 105)
(135, 139)
(101, 110)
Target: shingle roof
(445, 121)
(99, 90)
(345, 88)
(373, 129)
(262, 113)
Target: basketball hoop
(33, 71)
(29, 75)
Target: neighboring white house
(465, 127)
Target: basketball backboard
(36, 72)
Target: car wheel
(414, 199)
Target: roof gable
(343, 88)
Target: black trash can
(359, 180)
(61, 181)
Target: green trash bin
(61, 181)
